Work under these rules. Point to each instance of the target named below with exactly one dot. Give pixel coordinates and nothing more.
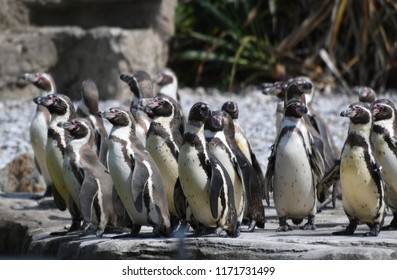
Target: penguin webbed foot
(373, 231)
(284, 226)
(251, 227)
(75, 226)
(133, 233)
(310, 225)
(234, 232)
(351, 228)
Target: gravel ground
(257, 118)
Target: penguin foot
(133, 234)
(373, 231)
(324, 204)
(351, 228)
(308, 226)
(75, 226)
(284, 228)
(251, 227)
(235, 232)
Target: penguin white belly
(55, 169)
(294, 194)
(38, 139)
(72, 183)
(121, 175)
(195, 185)
(360, 196)
(388, 161)
(167, 164)
(239, 193)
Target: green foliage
(231, 43)
(228, 39)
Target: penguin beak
(147, 105)
(101, 114)
(349, 113)
(38, 100)
(302, 109)
(268, 89)
(65, 125)
(376, 109)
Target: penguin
(163, 142)
(88, 108)
(302, 89)
(135, 175)
(245, 146)
(218, 145)
(205, 182)
(62, 110)
(294, 170)
(141, 86)
(365, 94)
(220, 135)
(277, 89)
(384, 141)
(167, 83)
(88, 180)
(363, 190)
(39, 125)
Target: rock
(26, 226)
(21, 175)
(76, 40)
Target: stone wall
(79, 39)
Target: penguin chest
(72, 181)
(121, 171)
(195, 184)
(167, 164)
(360, 195)
(225, 158)
(54, 159)
(388, 160)
(294, 193)
(38, 138)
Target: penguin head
(295, 109)
(78, 128)
(140, 84)
(199, 112)
(383, 109)
(297, 88)
(57, 104)
(365, 94)
(90, 96)
(117, 116)
(277, 89)
(215, 121)
(165, 77)
(358, 113)
(42, 81)
(231, 108)
(159, 106)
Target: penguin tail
(297, 221)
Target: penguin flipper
(270, 171)
(261, 176)
(216, 186)
(329, 179)
(88, 192)
(140, 175)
